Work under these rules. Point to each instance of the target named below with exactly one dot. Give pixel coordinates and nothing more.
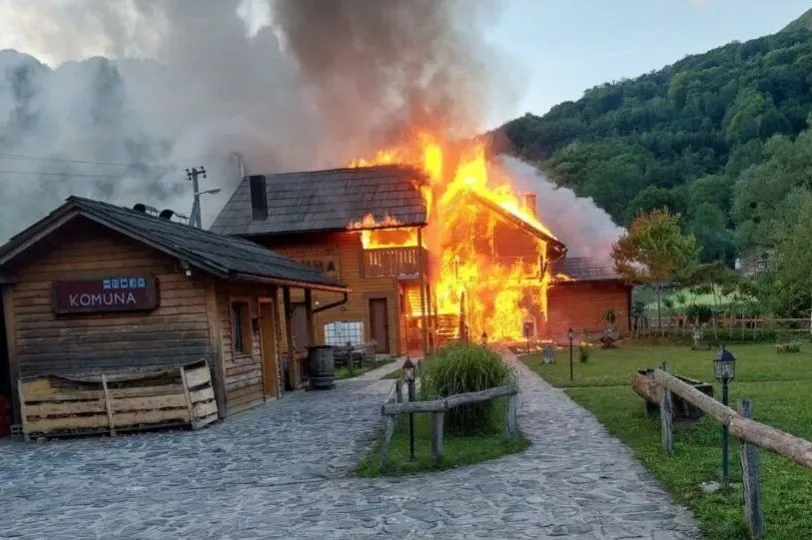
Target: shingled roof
(585, 269)
(226, 257)
(327, 201)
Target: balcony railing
(390, 262)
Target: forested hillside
(714, 137)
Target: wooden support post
(21, 411)
(511, 414)
(215, 336)
(399, 390)
(437, 435)
(389, 431)
(311, 322)
(108, 405)
(421, 264)
(287, 307)
(188, 396)
(666, 417)
(750, 480)
(13, 361)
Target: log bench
(644, 385)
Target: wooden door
(379, 323)
(299, 323)
(270, 354)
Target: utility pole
(195, 220)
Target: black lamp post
(408, 374)
(571, 336)
(724, 370)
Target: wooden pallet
(117, 402)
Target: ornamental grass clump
(461, 368)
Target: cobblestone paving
(280, 471)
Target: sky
(568, 46)
(560, 48)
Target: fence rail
(761, 435)
(741, 425)
(393, 406)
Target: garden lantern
(408, 370)
(571, 336)
(724, 370)
(408, 374)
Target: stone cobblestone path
(281, 471)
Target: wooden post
(511, 414)
(108, 404)
(293, 370)
(389, 431)
(666, 417)
(421, 264)
(311, 323)
(13, 361)
(22, 412)
(399, 390)
(437, 435)
(215, 337)
(750, 480)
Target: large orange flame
(495, 275)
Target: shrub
(583, 352)
(461, 368)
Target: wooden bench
(357, 354)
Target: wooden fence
(394, 405)
(741, 425)
(738, 328)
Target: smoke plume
(184, 83)
(586, 229)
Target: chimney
(259, 200)
(530, 204)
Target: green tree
(654, 251)
(790, 290)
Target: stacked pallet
(117, 402)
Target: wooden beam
(445, 404)
(763, 436)
(218, 379)
(311, 322)
(421, 264)
(287, 307)
(11, 344)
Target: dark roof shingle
(329, 200)
(585, 269)
(218, 254)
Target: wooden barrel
(321, 367)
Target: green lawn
(457, 451)
(779, 386)
(344, 372)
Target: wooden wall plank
(175, 333)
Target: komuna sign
(122, 293)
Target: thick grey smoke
(586, 229)
(188, 85)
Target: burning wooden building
(431, 251)
(110, 312)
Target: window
(241, 327)
(338, 333)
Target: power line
(81, 161)
(79, 175)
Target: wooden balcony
(391, 262)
